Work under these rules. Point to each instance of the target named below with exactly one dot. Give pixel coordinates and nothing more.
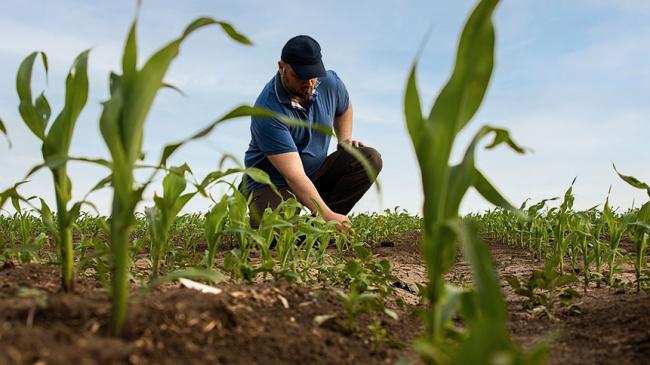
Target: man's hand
(343, 222)
(350, 142)
(290, 166)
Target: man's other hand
(343, 222)
(352, 142)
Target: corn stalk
(56, 144)
(444, 186)
(121, 124)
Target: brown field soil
(605, 326)
(273, 322)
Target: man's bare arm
(291, 168)
(343, 128)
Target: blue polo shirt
(270, 136)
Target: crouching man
(296, 157)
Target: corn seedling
(560, 226)
(579, 239)
(121, 124)
(23, 243)
(598, 246)
(444, 187)
(639, 228)
(537, 227)
(214, 223)
(56, 144)
(615, 229)
(162, 215)
(543, 290)
(356, 303)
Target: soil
(245, 324)
(273, 323)
(604, 326)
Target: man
(295, 157)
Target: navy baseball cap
(303, 54)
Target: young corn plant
(561, 225)
(483, 309)
(162, 215)
(237, 260)
(315, 236)
(56, 144)
(536, 226)
(598, 247)
(121, 124)
(220, 214)
(545, 289)
(25, 240)
(213, 226)
(615, 229)
(580, 235)
(639, 228)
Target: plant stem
(62, 186)
(120, 227)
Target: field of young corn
(542, 283)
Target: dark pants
(341, 182)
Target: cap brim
(306, 72)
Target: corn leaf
(76, 94)
(633, 181)
(47, 218)
(28, 111)
(462, 95)
(488, 334)
(58, 160)
(3, 129)
(412, 108)
(12, 194)
(146, 82)
(241, 111)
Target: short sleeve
(342, 97)
(272, 136)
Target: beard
(303, 94)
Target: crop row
(588, 241)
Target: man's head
(300, 65)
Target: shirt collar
(284, 97)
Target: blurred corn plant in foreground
(56, 144)
(485, 338)
(121, 124)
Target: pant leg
(263, 198)
(342, 180)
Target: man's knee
(374, 157)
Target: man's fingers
(345, 227)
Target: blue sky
(571, 82)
